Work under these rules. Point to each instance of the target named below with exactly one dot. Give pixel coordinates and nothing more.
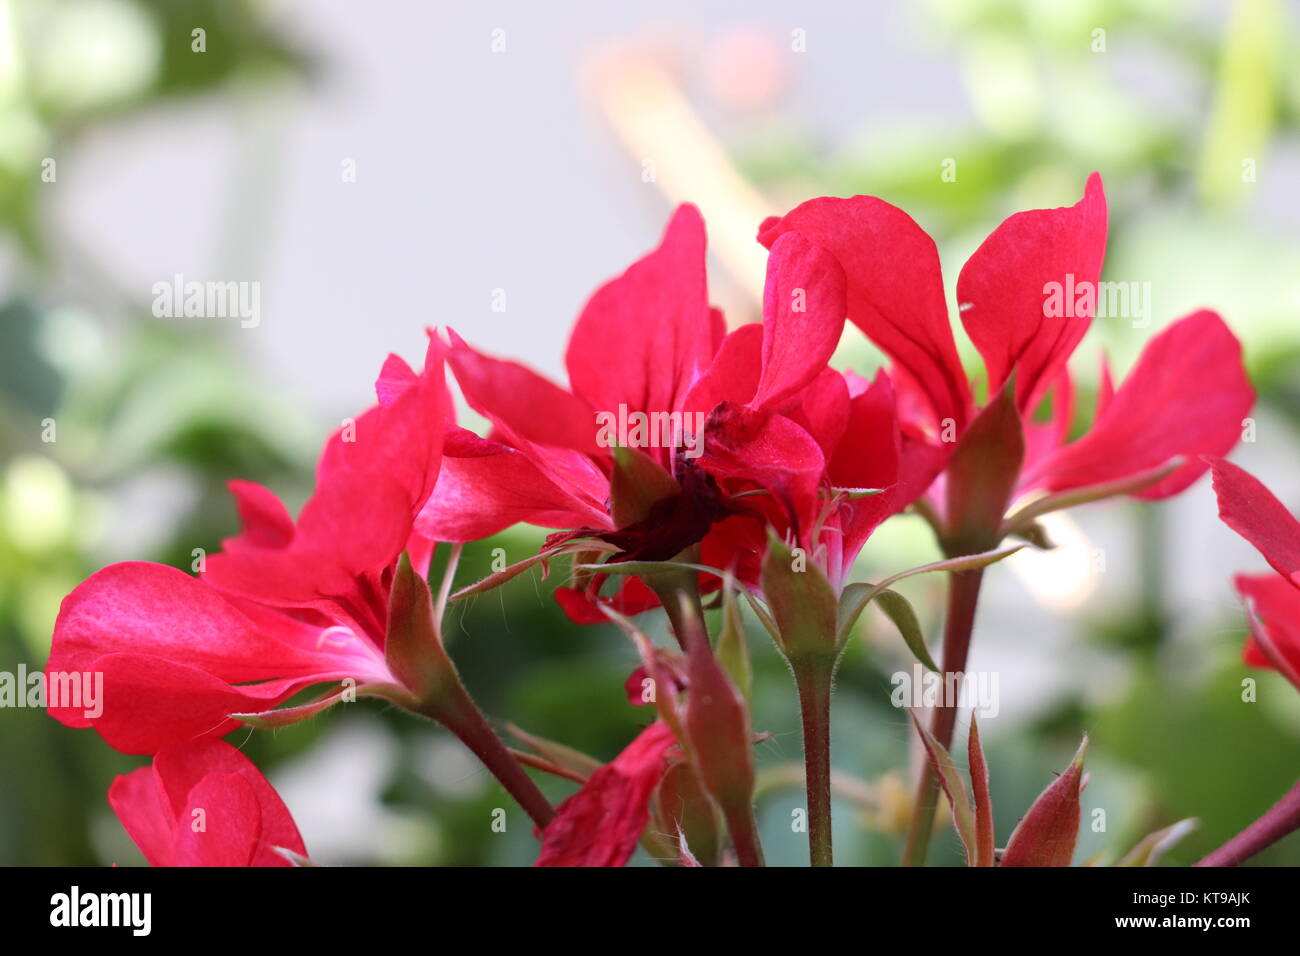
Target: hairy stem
(1278, 822)
(456, 711)
(963, 596)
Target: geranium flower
(284, 607)
(1272, 600)
(1186, 396)
(203, 803)
(712, 416)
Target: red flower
(1185, 397)
(601, 823)
(1272, 600)
(647, 346)
(781, 421)
(283, 608)
(204, 804)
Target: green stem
(813, 679)
(963, 596)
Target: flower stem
(813, 679)
(1281, 820)
(963, 596)
(456, 711)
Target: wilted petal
(582, 606)
(601, 823)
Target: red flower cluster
(698, 460)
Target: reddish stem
(963, 596)
(743, 829)
(456, 711)
(1278, 822)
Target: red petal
(485, 487)
(525, 406)
(243, 819)
(400, 439)
(1002, 291)
(823, 410)
(876, 453)
(373, 477)
(803, 316)
(151, 703)
(138, 607)
(868, 457)
(171, 649)
(140, 804)
(1187, 395)
(394, 378)
(220, 825)
(734, 374)
(181, 769)
(580, 605)
(601, 823)
(770, 450)
(1043, 439)
(1251, 510)
(1274, 605)
(644, 337)
(895, 289)
(266, 523)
